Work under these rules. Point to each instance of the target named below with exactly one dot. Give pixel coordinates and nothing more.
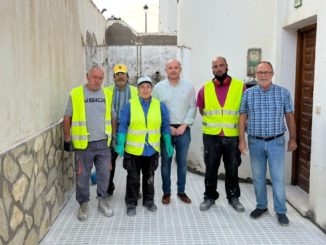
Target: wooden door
(304, 105)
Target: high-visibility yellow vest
(133, 90)
(226, 118)
(79, 133)
(137, 129)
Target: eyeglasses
(264, 73)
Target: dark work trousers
(216, 147)
(114, 158)
(133, 164)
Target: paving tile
(179, 223)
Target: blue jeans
(181, 144)
(272, 151)
(99, 153)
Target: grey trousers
(99, 153)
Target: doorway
(304, 105)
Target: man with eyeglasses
(262, 113)
(219, 102)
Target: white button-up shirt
(180, 100)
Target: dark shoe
(236, 204)
(257, 213)
(150, 207)
(131, 211)
(183, 197)
(206, 204)
(166, 198)
(283, 219)
(111, 189)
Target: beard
(222, 77)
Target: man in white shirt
(180, 99)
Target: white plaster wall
(98, 55)
(223, 28)
(318, 160)
(140, 60)
(91, 20)
(168, 16)
(41, 60)
(154, 58)
(184, 55)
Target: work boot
(104, 208)
(150, 207)
(236, 204)
(83, 211)
(131, 211)
(206, 204)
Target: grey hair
(266, 62)
(94, 66)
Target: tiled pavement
(179, 223)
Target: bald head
(220, 58)
(173, 70)
(219, 67)
(173, 62)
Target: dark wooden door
(304, 105)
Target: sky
(132, 12)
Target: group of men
(144, 123)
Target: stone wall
(36, 179)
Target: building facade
(292, 36)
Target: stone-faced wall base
(36, 180)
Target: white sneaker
(83, 211)
(104, 208)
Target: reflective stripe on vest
(221, 125)
(218, 112)
(226, 118)
(79, 133)
(130, 131)
(137, 131)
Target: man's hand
(67, 146)
(181, 129)
(243, 147)
(292, 145)
(173, 131)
